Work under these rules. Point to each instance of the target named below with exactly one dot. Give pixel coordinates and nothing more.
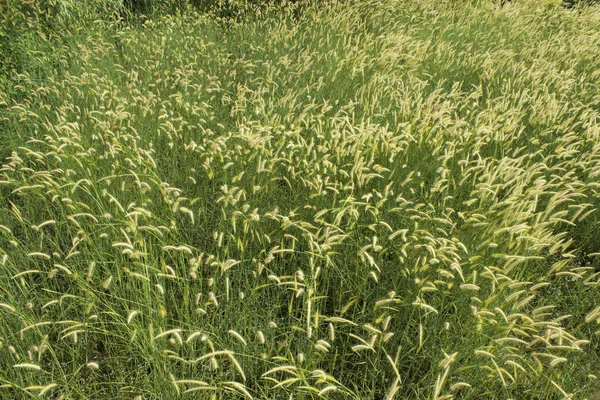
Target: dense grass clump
(365, 200)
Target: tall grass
(370, 200)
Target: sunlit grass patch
(370, 201)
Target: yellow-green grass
(369, 200)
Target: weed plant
(368, 200)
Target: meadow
(346, 200)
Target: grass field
(369, 200)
